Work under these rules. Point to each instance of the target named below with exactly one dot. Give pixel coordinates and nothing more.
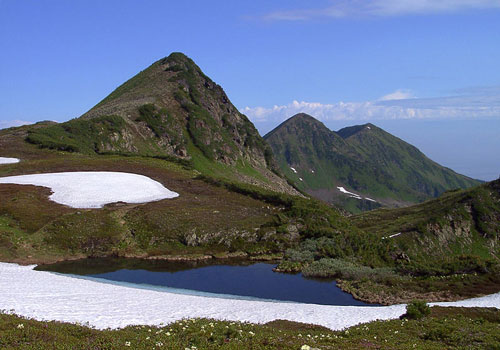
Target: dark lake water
(234, 278)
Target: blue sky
(427, 71)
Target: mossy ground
(444, 328)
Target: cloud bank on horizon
(11, 123)
(479, 103)
(382, 8)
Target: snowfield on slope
(48, 296)
(94, 189)
(350, 194)
(4, 160)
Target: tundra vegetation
(441, 328)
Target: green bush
(301, 256)
(289, 266)
(417, 309)
(338, 268)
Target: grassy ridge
(455, 226)
(77, 135)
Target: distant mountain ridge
(359, 167)
(171, 109)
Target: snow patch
(47, 296)
(300, 179)
(312, 171)
(351, 194)
(392, 236)
(371, 200)
(368, 127)
(95, 189)
(4, 160)
(293, 169)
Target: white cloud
(10, 123)
(396, 105)
(361, 8)
(397, 95)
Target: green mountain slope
(173, 110)
(376, 167)
(460, 225)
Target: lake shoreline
(360, 293)
(229, 278)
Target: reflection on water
(233, 277)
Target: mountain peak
(298, 123)
(177, 61)
(355, 129)
(303, 116)
(176, 56)
(171, 109)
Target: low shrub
(417, 309)
(338, 268)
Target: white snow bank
(293, 169)
(354, 195)
(392, 236)
(4, 160)
(351, 194)
(47, 296)
(95, 189)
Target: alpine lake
(224, 278)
